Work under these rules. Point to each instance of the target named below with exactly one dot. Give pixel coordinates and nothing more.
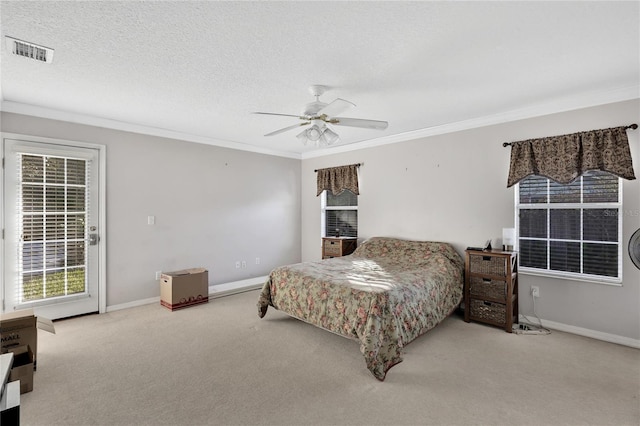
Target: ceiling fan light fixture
(302, 137)
(314, 133)
(330, 136)
(319, 136)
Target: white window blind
(52, 214)
(339, 214)
(571, 231)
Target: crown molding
(557, 106)
(53, 114)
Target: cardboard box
(22, 368)
(181, 289)
(20, 328)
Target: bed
(384, 295)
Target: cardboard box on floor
(20, 328)
(181, 289)
(22, 368)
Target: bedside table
(338, 246)
(491, 287)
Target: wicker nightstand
(338, 246)
(491, 287)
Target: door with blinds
(52, 240)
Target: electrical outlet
(257, 260)
(237, 264)
(158, 274)
(535, 291)
(244, 263)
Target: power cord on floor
(531, 328)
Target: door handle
(93, 239)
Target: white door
(52, 240)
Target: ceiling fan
(318, 114)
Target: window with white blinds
(339, 214)
(571, 231)
(52, 217)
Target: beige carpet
(220, 364)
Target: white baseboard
(227, 289)
(599, 335)
(133, 304)
(215, 291)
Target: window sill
(616, 282)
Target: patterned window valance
(337, 179)
(564, 158)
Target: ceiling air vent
(29, 50)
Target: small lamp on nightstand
(508, 239)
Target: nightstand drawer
(490, 265)
(332, 248)
(482, 288)
(337, 247)
(488, 311)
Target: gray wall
(453, 188)
(212, 206)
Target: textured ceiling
(198, 69)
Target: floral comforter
(384, 295)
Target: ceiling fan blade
(336, 107)
(358, 122)
(284, 115)
(288, 128)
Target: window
(52, 217)
(571, 231)
(339, 212)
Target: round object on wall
(634, 248)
